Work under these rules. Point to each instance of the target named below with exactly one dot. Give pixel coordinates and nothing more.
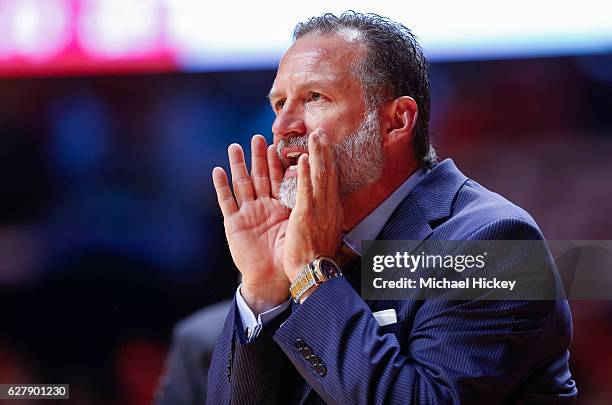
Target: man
(352, 161)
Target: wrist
(261, 298)
(294, 271)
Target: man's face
(315, 88)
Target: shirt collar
(371, 225)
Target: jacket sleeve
(255, 372)
(455, 351)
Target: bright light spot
(34, 29)
(120, 28)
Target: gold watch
(314, 273)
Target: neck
(358, 204)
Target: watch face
(329, 269)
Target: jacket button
(306, 352)
(314, 360)
(299, 344)
(321, 369)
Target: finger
(331, 167)
(276, 170)
(226, 200)
(304, 185)
(318, 173)
(259, 166)
(243, 187)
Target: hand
(315, 223)
(254, 220)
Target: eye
(279, 105)
(314, 96)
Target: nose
(289, 121)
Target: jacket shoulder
(481, 213)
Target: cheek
(334, 124)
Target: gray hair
(394, 66)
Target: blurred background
(114, 112)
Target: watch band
(310, 276)
(303, 282)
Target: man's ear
(399, 119)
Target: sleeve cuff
(253, 325)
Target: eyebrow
(272, 94)
(310, 83)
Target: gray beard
(359, 158)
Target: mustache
(296, 142)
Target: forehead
(325, 59)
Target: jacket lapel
(428, 205)
(406, 223)
(429, 202)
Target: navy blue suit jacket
(331, 349)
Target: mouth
(290, 157)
